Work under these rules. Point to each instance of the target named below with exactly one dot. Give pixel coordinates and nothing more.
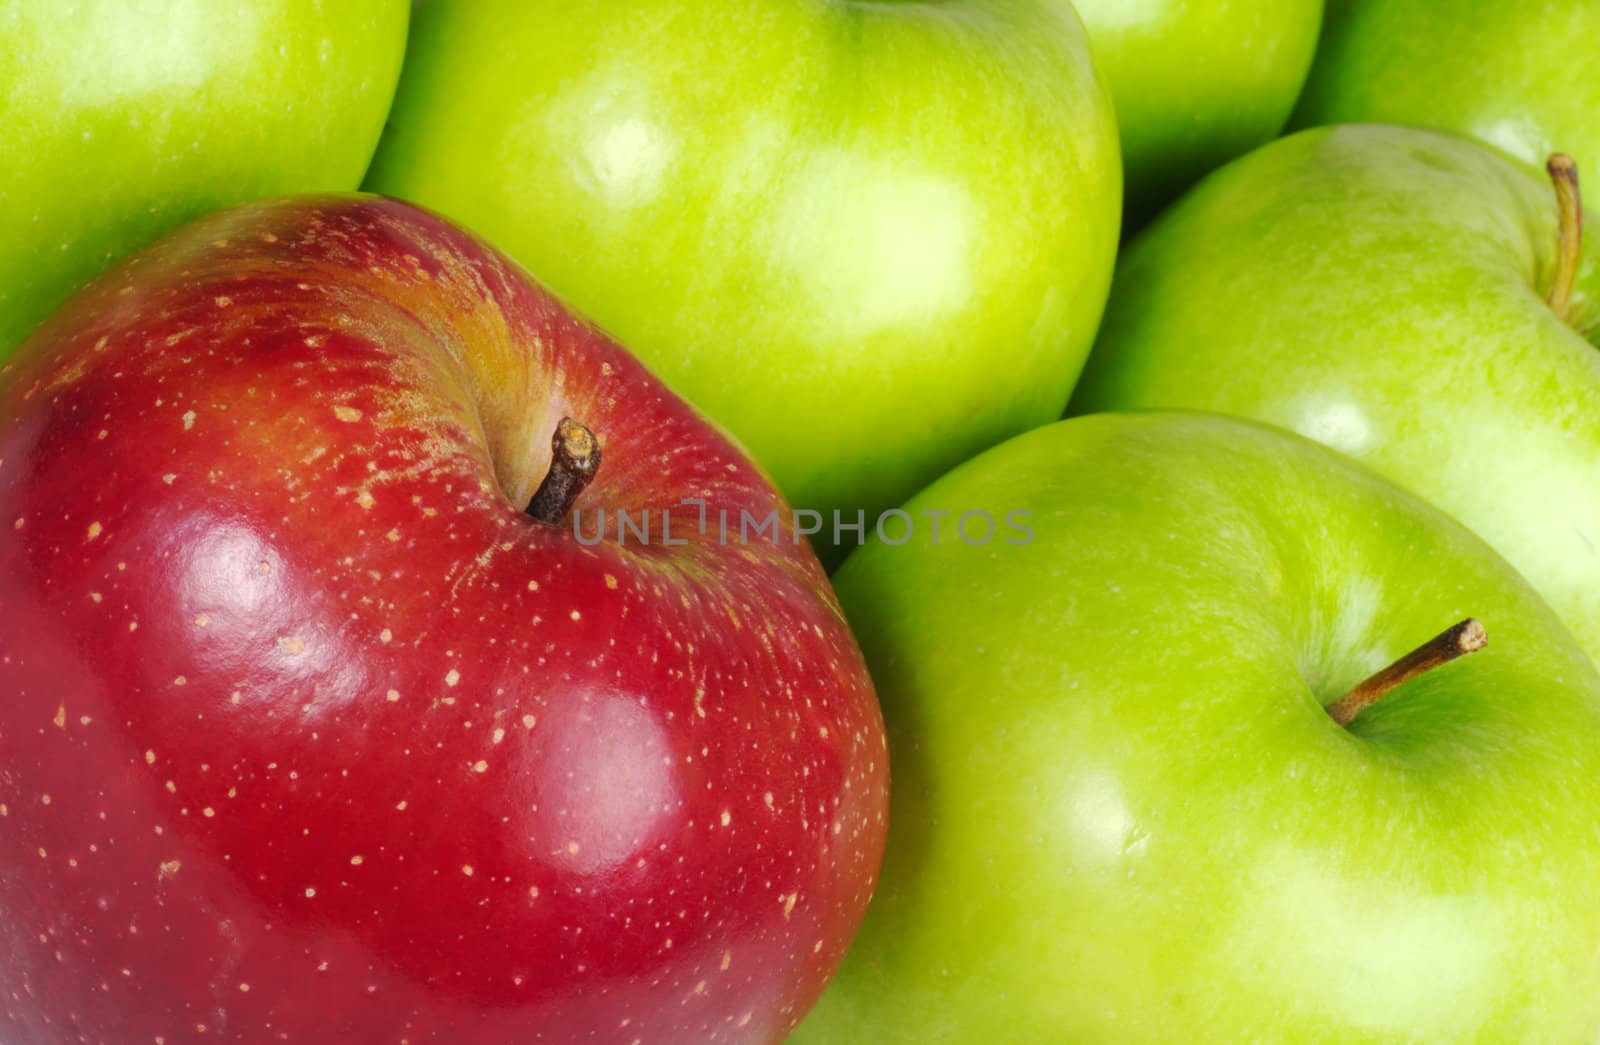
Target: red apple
(310, 733)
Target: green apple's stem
(1569, 235)
(1466, 637)
(574, 460)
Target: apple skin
(129, 119)
(1120, 813)
(1196, 84)
(309, 732)
(1511, 74)
(1381, 290)
(871, 239)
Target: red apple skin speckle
(309, 734)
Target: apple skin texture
(871, 239)
(1381, 290)
(310, 731)
(123, 119)
(1196, 84)
(1517, 75)
(1120, 813)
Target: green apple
(123, 119)
(1384, 291)
(1196, 84)
(1514, 73)
(869, 238)
(1121, 813)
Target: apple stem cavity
(1463, 638)
(574, 460)
(1569, 230)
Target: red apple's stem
(1466, 637)
(1569, 230)
(574, 460)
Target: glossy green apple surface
(123, 119)
(1121, 813)
(1196, 84)
(1383, 290)
(871, 239)
(1515, 73)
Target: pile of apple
(414, 624)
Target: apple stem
(1466, 637)
(1569, 230)
(574, 460)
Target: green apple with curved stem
(1196, 84)
(122, 121)
(1124, 809)
(1387, 291)
(1511, 74)
(871, 239)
